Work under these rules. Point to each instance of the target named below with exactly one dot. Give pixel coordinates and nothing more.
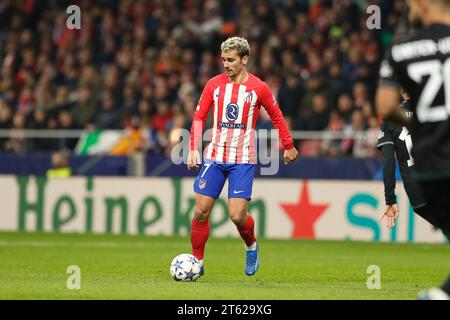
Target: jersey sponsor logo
(232, 125)
(380, 134)
(232, 111)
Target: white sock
(201, 262)
(252, 247)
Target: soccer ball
(185, 267)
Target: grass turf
(33, 266)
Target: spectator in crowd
(60, 166)
(345, 107)
(38, 122)
(6, 115)
(353, 144)
(290, 94)
(109, 116)
(320, 114)
(66, 121)
(85, 109)
(16, 141)
(163, 116)
(130, 143)
(331, 144)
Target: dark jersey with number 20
(420, 64)
(395, 139)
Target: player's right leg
(200, 226)
(425, 213)
(207, 186)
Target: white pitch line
(5, 243)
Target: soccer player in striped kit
(235, 97)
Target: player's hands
(391, 213)
(193, 160)
(290, 155)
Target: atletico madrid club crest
(202, 184)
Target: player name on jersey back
(420, 48)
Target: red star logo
(304, 214)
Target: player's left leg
(238, 210)
(240, 183)
(438, 202)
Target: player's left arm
(271, 105)
(387, 147)
(391, 211)
(389, 174)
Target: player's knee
(238, 219)
(201, 213)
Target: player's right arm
(386, 145)
(198, 124)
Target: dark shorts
(437, 195)
(425, 213)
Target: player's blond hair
(236, 43)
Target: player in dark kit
(394, 140)
(420, 64)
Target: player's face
(404, 94)
(414, 14)
(232, 63)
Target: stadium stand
(140, 65)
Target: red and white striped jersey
(235, 113)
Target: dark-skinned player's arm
(387, 98)
(387, 104)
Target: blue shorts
(212, 175)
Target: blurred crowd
(140, 65)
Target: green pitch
(33, 266)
